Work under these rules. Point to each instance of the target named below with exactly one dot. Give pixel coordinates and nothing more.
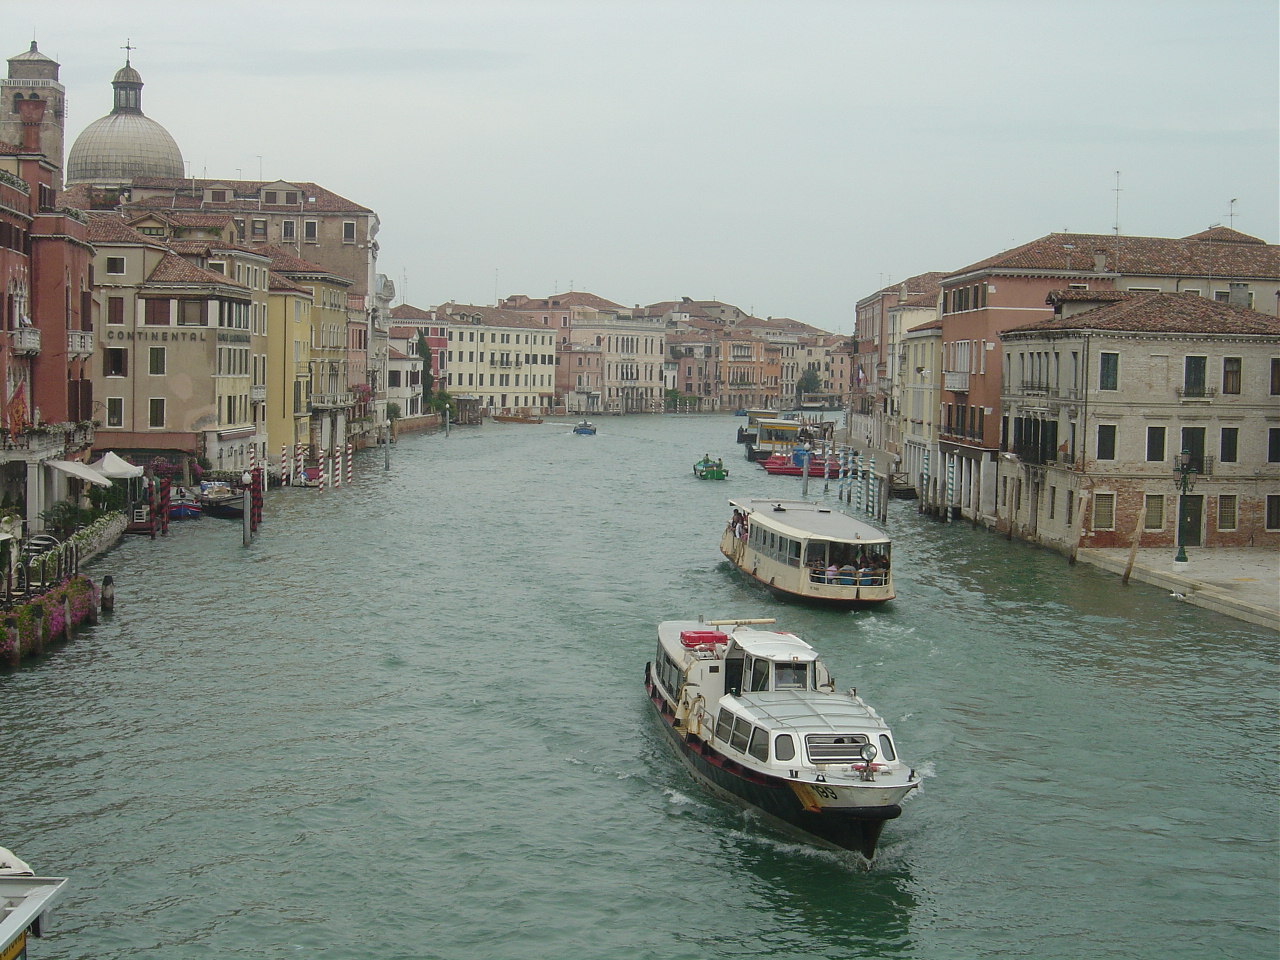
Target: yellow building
(307, 357)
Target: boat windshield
(791, 676)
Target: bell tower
(33, 76)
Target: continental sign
(157, 336)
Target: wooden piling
(108, 594)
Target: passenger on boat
(848, 574)
(833, 573)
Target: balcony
(957, 381)
(80, 343)
(26, 340)
(332, 401)
(258, 393)
(1040, 387)
(1196, 392)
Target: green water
(409, 722)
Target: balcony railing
(1199, 465)
(957, 381)
(26, 340)
(80, 343)
(1196, 392)
(258, 392)
(331, 401)
(1035, 386)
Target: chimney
(32, 114)
(1099, 261)
(1238, 294)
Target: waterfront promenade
(1243, 582)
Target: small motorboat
(219, 499)
(755, 715)
(708, 469)
(585, 428)
(183, 505)
(781, 464)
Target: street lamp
(1184, 479)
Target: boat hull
(846, 828)
(227, 508)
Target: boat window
(741, 734)
(791, 676)
(669, 673)
(733, 671)
(834, 747)
(793, 555)
(759, 746)
(886, 748)
(784, 748)
(759, 675)
(724, 723)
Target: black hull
(849, 829)
(227, 510)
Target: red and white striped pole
(298, 462)
(337, 466)
(323, 465)
(284, 464)
(348, 461)
(253, 457)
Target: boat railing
(849, 578)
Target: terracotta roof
(111, 228)
(1205, 255)
(1085, 296)
(394, 354)
(284, 284)
(934, 324)
(173, 268)
(246, 194)
(921, 283)
(404, 333)
(182, 218)
(1164, 313)
(407, 311)
(488, 316)
(573, 298)
(286, 262)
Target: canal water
(409, 722)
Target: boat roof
(809, 711)
(774, 645)
(805, 519)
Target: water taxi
(585, 428)
(755, 715)
(808, 551)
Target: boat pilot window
(724, 725)
(791, 676)
(834, 748)
(733, 664)
(784, 747)
(886, 748)
(741, 734)
(759, 745)
(759, 675)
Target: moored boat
(795, 465)
(219, 499)
(808, 551)
(755, 715)
(183, 505)
(708, 469)
(515, 418)
(747, 433)
(585, 428)
(784, 434)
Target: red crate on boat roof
(702, 638)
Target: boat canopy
(778, 647)
(805, 520)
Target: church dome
(125, 143)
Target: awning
(117, 468)
(80, 470)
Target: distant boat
(791, 466)
(708, 469)
(584, 428)
(514, 418)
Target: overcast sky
(788, 157)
